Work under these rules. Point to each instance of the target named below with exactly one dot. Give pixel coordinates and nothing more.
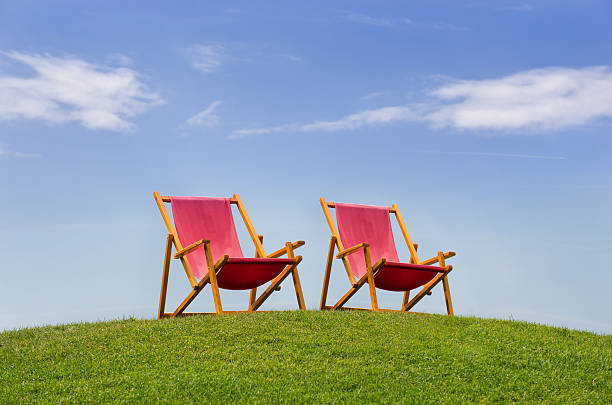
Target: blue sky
(488, 123)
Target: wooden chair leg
(407, 293)
(165, 273)
(213, 280)
(296, 279)
(372, 293)
(253, 294)
(447, 296)
(298, 290)
(371, 279)
(328, 266)
(445, 286)
(216, 294)
(406, 299)
(252, 298)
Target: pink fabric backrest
(369, 224)
(197, 218)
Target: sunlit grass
(305, 357)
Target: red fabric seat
(244, 273)
(395, 276)
(370, 224)
(197, 218)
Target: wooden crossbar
(331, 204)
(166, 199)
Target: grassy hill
(305, 357)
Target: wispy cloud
(435, 25)
(67, 89)
(374, 94)
(207, 58)
(120, 59)
(293, 58)
(540, 99)
(526, 102)
(368, 20)
(358, 120)
(446, 26)
(397, 22)
(10, 153)
(205, 118)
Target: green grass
(305, 357)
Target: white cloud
(5, 152)
(358, 120)
(205, 118)
(207, 58)
(368, 20)
(540, 99)
(69, 89)
(533, 100)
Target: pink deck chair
(207, 245)
(371, 257)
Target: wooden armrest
(435, 258)
(352, 250)
(221, 262)
(283, 251)
(191, 248)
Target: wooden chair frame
(197, 286)
(371, 269)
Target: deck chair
(207, 245)
(371, 257)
